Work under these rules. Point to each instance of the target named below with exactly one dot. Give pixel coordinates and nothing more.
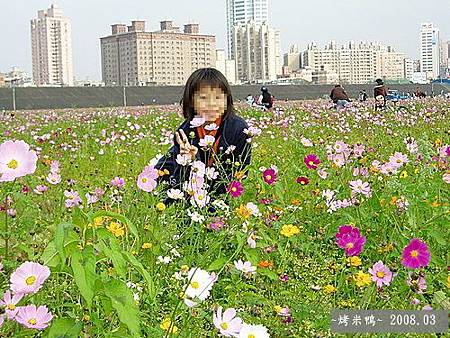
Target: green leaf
(83, 266)
(441, 299)
(217, 264)
(50, 255)
(122, 301)
(64, 328)
(437, 235)
(60, 238)
(269, 273)
(113, 252)
(252, 255)
(144, 273)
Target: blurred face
(210, 102)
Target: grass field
(122, 264)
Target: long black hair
(205, 77)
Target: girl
(211, 139)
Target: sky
(392, 22)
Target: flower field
(340, 209)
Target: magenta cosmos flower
(227, 323)
(118, 182)
(380, 274)
(349, 238)
(270, 176)
(302, 180)
(311, 161)
(235, 189)
(29, 277)
(416, 254)
(34, 318)
(16, 160)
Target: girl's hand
(185, 146)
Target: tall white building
(257, 52)
(226, 66)
(51, 46)
(292, 60)
(429, 50)
(241, 12)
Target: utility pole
(124, 96)
(14, 97)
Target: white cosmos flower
(208, 141)
(175, 194)
(211, 173)
(197, 122)
(183, 160)
(211, 127)
(200, 284)
(253, 331)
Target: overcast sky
(394, 22)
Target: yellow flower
(386, 248)
(147, 245)
(354, 261)
(116, 229)
(438, 142)
(295, 202)
(435, 204)
(243, 211)
(362, 279)
(86, 318)
(184, 268)
(328, 289)
(167, 325)
(160, 206)
(404, 174)
(448, 282)
(363, 160)
(277, 308)
(239, 175)
(289, 230)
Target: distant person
(380, 93)
(250, 100)
(363, 96)
(339, 96)
(265, 99)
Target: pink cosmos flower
(53, 178)
(228, 324)
(270, 176)
(360, 187)
(2, 319)
(29, 277)
(16, 160)
(322, 173)
(34, 318)
(40, 189)
(417, 282)
(197, 122)
(73, 199)
(118, 182)
(416, 254)
(246, 267)
(216, 224)
(302, 180)
(311, 161)
(446, 177)
(235, 189)
(10, 301)
(380, 274)
(350, 239)
(398, 159)
(146, 180)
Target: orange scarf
(202, 133)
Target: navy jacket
(231, 132)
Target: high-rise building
(429, 50)
(257, 52)
(226, 66)
(132, 56)
(408, 68)
(292, 59)
(51, 47)
(241, 12)
(444, 67)
(356, 62)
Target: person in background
(362, 96)
(380, 93)
(265, 99)
(339, 96)
(250, 100)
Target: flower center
(311, 162)
(224, 326)
(380, 274)
(349, 245)
(30, 280)
(414, 253)
(268, 177)
(200, 197)
(234, 189)
(13, 164)
(251, 335)
(32, 321)
(195, 285)
(144, 180)
(11, 306)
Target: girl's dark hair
(205, 77)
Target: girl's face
(210, 102)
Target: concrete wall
(82, 97)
